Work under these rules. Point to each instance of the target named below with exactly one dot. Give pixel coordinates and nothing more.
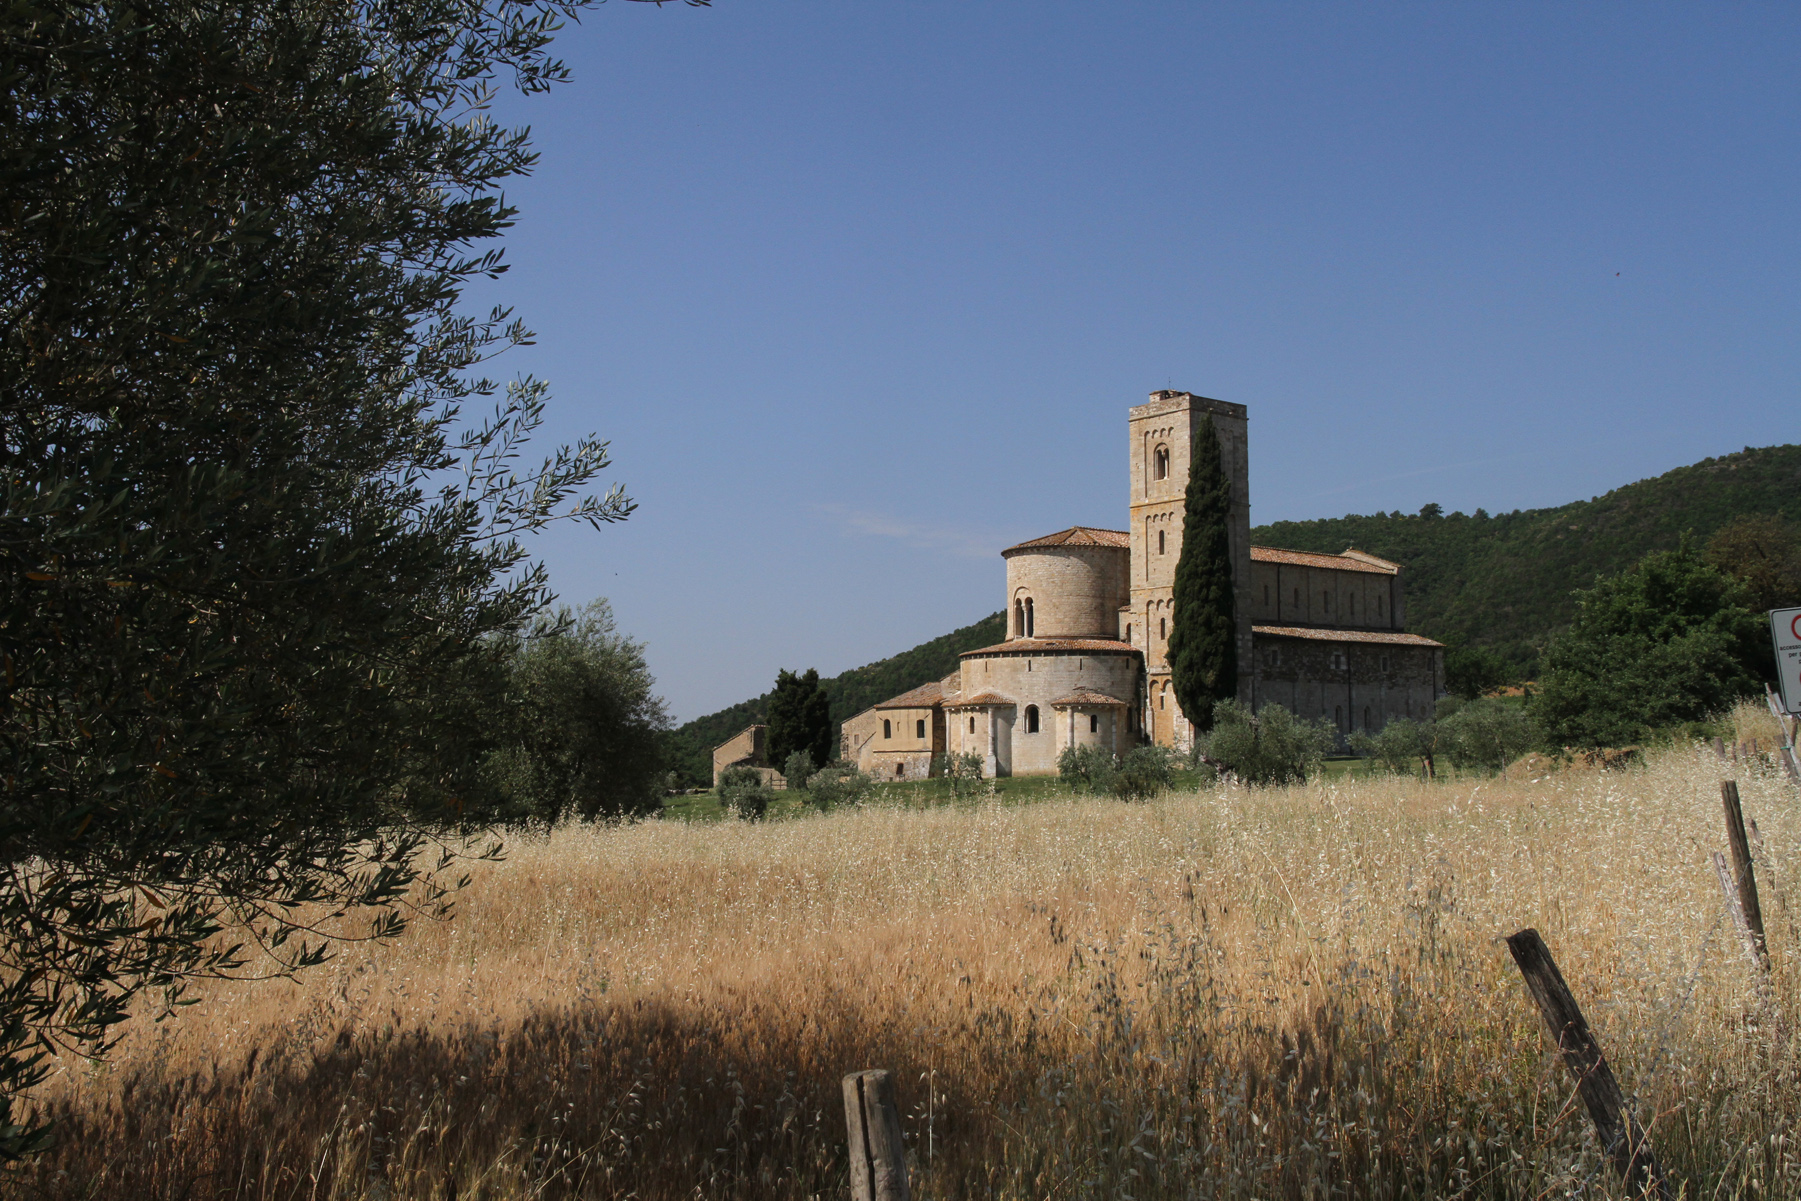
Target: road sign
(1785, 633)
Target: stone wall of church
(1076, 591)
(1033, 682)
(1352, 685)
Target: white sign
(1785, 633)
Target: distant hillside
(1504, 581)
(691, 745)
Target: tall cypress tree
(1203, 652)
(799, 719)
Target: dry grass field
(1287, 993)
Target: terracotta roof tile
(1026, 646)
(1076, 535)
(1350, 560)
(923, 697)
(984, 698)
(1391, 638)
(1087, 696)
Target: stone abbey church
(1089, 613)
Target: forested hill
(691, 745)
(1504, 581)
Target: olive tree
(258, 548)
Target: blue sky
(860, 292)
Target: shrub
(1471, 671)
(1488, 734)
(1271, 746)
(962, 772)
(799, 769)
(742, 792)
(1087, 768)
(1144, 772)
(838, 784)
(1398, 746)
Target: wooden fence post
(1742, 877)
(878, 1154)
(1626, 1142)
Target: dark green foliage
(1203, 636)
(583, 729)
(1271, 747)
(742, 792)
(1144, 771)
(1485, 734)
(1401, 746)
(1471, 671)
(1506, 582)
(1087, 768)
(1764, 552)
(689, 750)
(254, 571)
(1670, 641)
(798, 768)
(838, 784)
(799, 718)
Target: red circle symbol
(1795, 626)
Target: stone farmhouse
(1089, 614)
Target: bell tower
(1162, 437)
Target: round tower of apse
(1069, 584)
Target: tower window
(1266, 596)
(1353, 604)
(1366, 717)
(887, 728)
(1163, 627)
(1031, 719)
(1338, 716)
(1297, 598)
(1378, 606)
(1160, 463)
(1031, 620)
(1160, 534)
(1325, 601)
(1128, 631)
(1094, 723)
(919, 728)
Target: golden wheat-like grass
(1241, 993)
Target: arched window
(919, 728)
(1297, 598)
(1019, 618)
(1163, 699)
(1163, 627)
(1352, 600)
(1128, 631)
(1378, 606)
(1031, 719)
(1266, 596)
(1338, 716)
(1325, 600)
(972, 723)
(1031, 620)
(1160, 534)
(887, 728)
(1366, 717)
(1094, 723)
(1160, 463)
